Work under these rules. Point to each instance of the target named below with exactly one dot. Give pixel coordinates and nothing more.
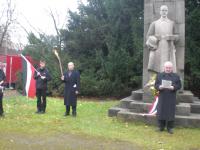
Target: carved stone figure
(160, 42)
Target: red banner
(13, 66)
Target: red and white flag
(28, 79)
(153, 109)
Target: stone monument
(169, 28)
(164, 40)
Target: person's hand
(161, 87)
(43, 77)
(171, 87)
(62, 78)
(38, 74)
(77, 92)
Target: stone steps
(112, 112)
(195, 107)
(185, 121)
(133, 108)
(182, 96)
(139, 106)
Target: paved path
(60, 142)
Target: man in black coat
(41, 76)
(71, 79)
(167, 83)
(2, 78)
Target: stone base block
(137, 95)
(185, 97)
(112, 112)
(184, 121)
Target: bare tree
(56, 28)
(8, 14)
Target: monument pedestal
(135, 108)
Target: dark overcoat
(167, 98)
(2, 78)
(72, 84)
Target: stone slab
(185, 97)
(183, 109)
(137, 95)
(112, 112)
(125, 103)
(139, 107)
(183, 121)
(195, 107)
(133, 117)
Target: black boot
(38, 111)
(66, 114)
(1, 114)
(74, 111)
(43, 110)
(161, 125)
(170, 131)
(170, 126)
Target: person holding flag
(2, 78)
(41, 76)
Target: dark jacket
(72, 84)
(42, 83)
(167, 98)
(2, 78)
(2, 75)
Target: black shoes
(74, 114)
(2, 115)
(160, 129)
(40, 112)
(66, 114)
(170, 131)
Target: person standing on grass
(2, 78)
(167, 83)
(41, 76)
(71, 78)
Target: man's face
(168, 68)
(70, 66)
(42, 64)
(164, 11)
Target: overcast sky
(34, 16)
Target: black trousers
(68, 109)
(1, 103)
(163, 123)
(41, 99)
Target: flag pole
(59, 60)
(10, 73)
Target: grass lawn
(92, 122)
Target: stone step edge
(182, 121)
